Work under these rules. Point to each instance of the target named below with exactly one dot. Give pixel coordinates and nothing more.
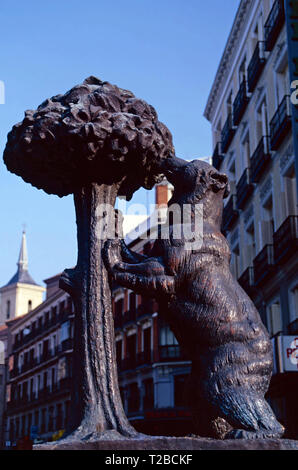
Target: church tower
(21, 294)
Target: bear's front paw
(112, 253)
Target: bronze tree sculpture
(97, 141)
(212, 317)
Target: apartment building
(152, 368)
(249, 109)
(39, 369)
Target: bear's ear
(218, 182)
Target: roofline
(26, 316)
(226, 57)
(52, 278)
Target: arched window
(8, 309)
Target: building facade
(151, 367)
(21, 294)
(249, 110)
(39, 369)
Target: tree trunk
(96, 405)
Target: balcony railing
(285, 240)
(280, 124)
(227, 133)
(244, 189)
(230, 213)
(145, 308)
(240, 103)
(170, 353)
(144, 357)
(217, 156)
(129, 316)
(260, 159)
(246, 280)
(118, 321)
(293, 327)
(256, 66)
(128, 363)
(47, 325)
(263, 265)
(274, 23)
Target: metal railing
(280, 124)
(255, 66)
(260, 159)
(274, 23)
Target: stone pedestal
(172, 444)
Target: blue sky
(164, 51)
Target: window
(29, 305)
(282, 81)
(166, 336)
(262, 121)
(132, 302)
(133, 397)
(250, 245)
(147, 340)
(294, 303)
(65, 331)
(267, 222)
(231, 173)
(245, 153)
(119, 351)
(180, 396)
(290, 193)
(119, 308)
(235, 259)
(148, 399)
(274, 319)
(242, 71)
(131, 346)
(8, 309)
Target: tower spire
(23, 256)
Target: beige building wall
(274, 196)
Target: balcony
(227, 134)
(246, 280)
(260, 159)
(256, 66)
(293, 327)
(170, 353)
(280, 124)
(145, 308)
(240, 103)
(118, 321)
(129, 316)
(274, 23)
(128, 363)
(217, 156)
(285, 240)
(40, 330)
(230, 213)
(244, 189)
(144, 357)
(263, 265)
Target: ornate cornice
(228, 55)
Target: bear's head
(195, 177)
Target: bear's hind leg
(250, 415)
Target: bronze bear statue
(214, 320)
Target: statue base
(172, 444)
